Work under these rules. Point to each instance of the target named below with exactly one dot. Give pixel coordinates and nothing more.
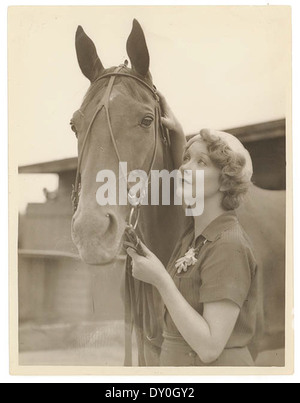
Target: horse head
(117, 122)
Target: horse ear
(137, 49)
(88, 59)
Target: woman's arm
(208, 334)
(177, 137)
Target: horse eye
(147, 121)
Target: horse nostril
(110, 218)
(112, 221)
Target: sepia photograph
(150, 170)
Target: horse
(119, 120)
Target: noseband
(104, 104)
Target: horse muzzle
(97, 238)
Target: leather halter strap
(104, 104)
(118, 73)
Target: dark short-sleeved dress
(225, 270)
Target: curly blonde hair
(232, 165)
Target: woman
(209, 286)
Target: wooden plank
(57, 166)
(55, 254)
(48, 254)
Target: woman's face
(196, 158)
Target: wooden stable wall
(60, 298)
(47, 226)
(267, 146)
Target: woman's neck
(212, 210)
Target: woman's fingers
(163, 103)
(145, 249)
(161, 96)
(170, 123)
(167, 119)
(132, 253)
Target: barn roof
(50, 167)
(257, 132)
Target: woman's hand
(148, 269)
(168, 118)
(177, 137)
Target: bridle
(104, 105)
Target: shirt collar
(218, 225)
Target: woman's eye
(147, 121)
(201, 162)
(185, 158)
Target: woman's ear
(224, 185)
(223, 188)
